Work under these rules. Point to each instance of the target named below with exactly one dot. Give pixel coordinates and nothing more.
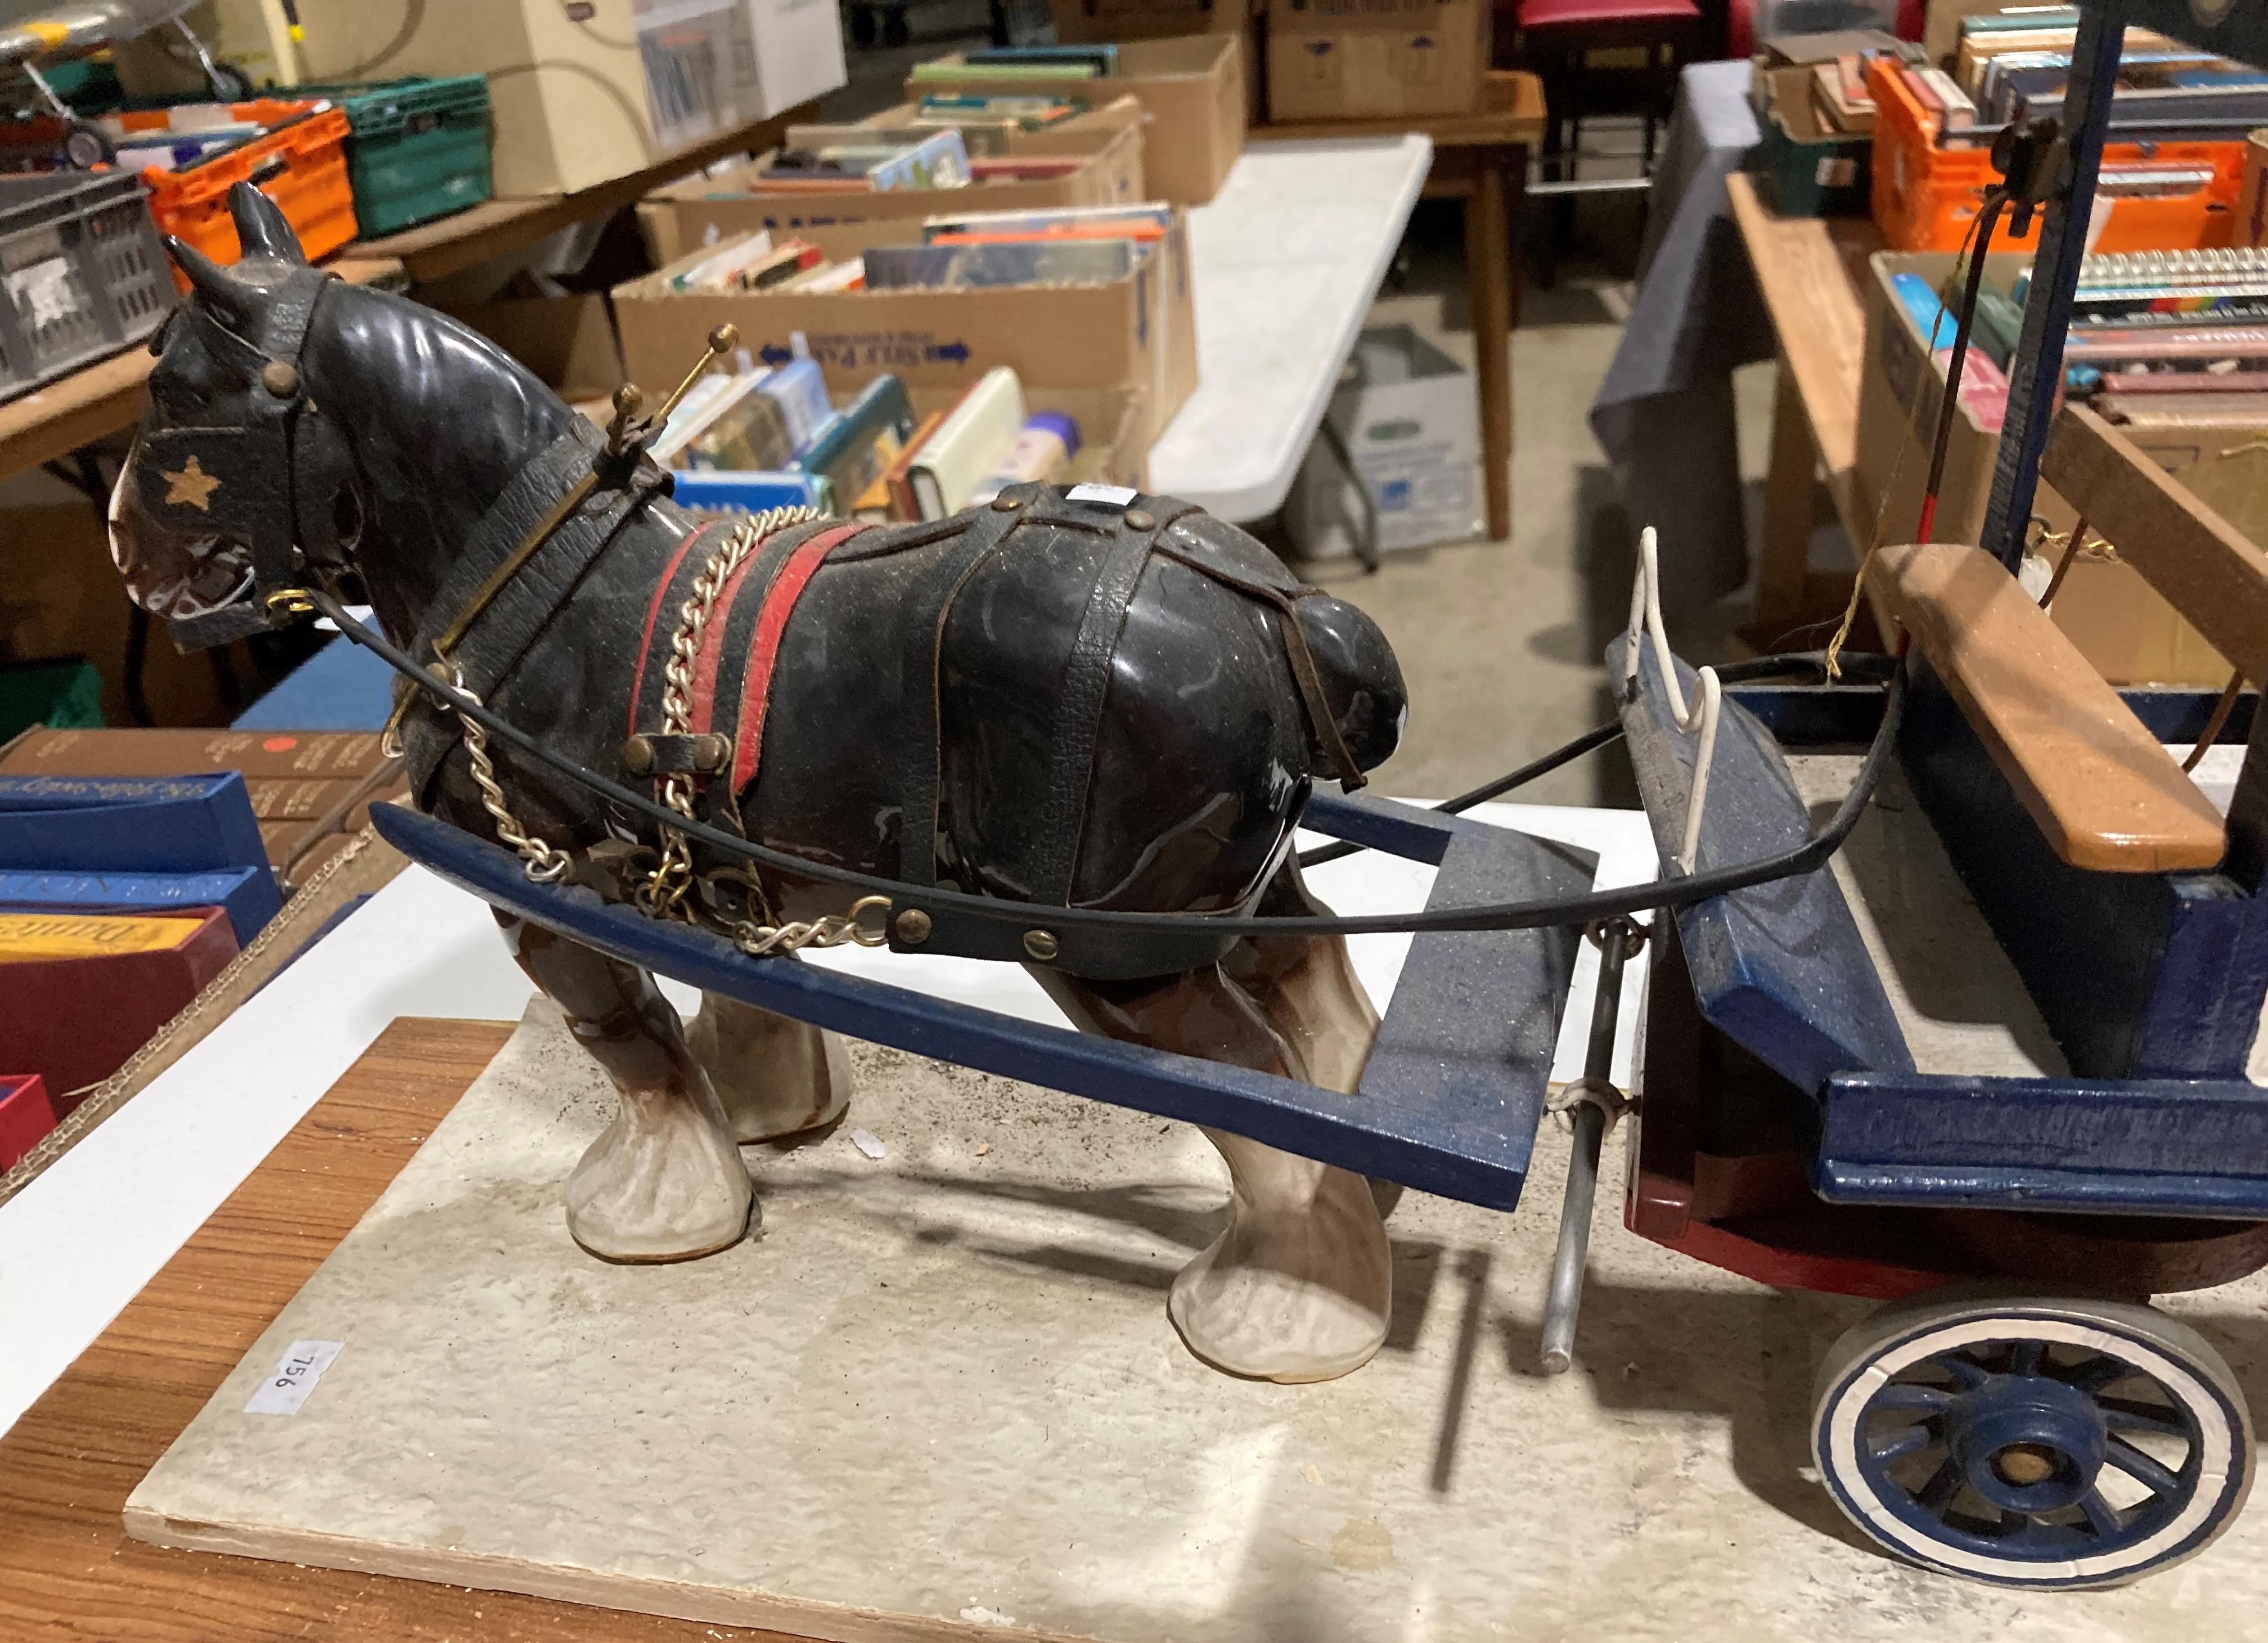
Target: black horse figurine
(1110, 703)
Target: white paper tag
(302, 1365)
(1118, 495)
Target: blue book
(246, 895)
(725, 491)
(128, 824)
(802, 395)
(1938, 324)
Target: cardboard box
(587, 92)
(1115, 22)
(1374, 59)
(1192, 94)
(2252, 204)
(2119, 623)
(1136, 335)
(1410, 420)
(704, 210)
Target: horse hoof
(671, 1188)
(774, 1076)
(1270, 1326)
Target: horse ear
(262, 227)
(207, 277)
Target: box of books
(1098, 161)
(2179, 391)
(1096, 298)
(1374, 59)
(1191, 90)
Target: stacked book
(119, 898)
(2014, 63)
(310, 791)
(2165, 337)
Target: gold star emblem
(192, 486)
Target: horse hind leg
(773, 1075)
(663, 1182)
(1298, 1284)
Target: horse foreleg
(1299, 1286)
(663, 1182)
(774, 1076)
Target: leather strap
(646, 688)
(1079, 707)
(921, 636)
(778, 608)
(1296, 655)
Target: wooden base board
(68, 1570)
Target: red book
(25, 1115)
(85, 991)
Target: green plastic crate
(62, 693)
(418, 149)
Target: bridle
(298, 558)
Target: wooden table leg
(1789, 503)
(1515, 211)
(1488, 276)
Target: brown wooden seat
(2105, 794)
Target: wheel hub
(2027, 1443)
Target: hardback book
(858, 445)
(86, 990)
(801, 392)
(742, 429)
(1102, 58)
(305, 787)
(26, 1114)
(939, 160)
(946, 70)
(897, 482)
(245, 896)
(1024, 168)
(1022, 262)
(1835, 111)
(1149, 220)
(129, 823)
(714, 272)
(953, 460)
(2247, 408)
(1040, 454)
(1954, 111)
(730, 495)
(847, 276)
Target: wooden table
(1811, 270)
(1481, 159)
(67, 1569)
(432, 250)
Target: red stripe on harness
(653, 615)
(712, 647)
(803, 562)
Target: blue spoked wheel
(2032, 1442)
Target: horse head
(303, 430)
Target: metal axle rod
(1595, 1102)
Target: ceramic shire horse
(1049, 700)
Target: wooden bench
(2104, 792)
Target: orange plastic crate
(1925, 198)
(301, 164)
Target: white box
(796, 53)
(1412, 421)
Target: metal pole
(1566, 1297)
(2036, 372)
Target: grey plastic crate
(83, 273)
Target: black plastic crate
(83, 273)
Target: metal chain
(833, 931)
(546, 865)
(663, 893)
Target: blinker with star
(192, 487)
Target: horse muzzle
(174, 563)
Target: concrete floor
(1501, 642)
